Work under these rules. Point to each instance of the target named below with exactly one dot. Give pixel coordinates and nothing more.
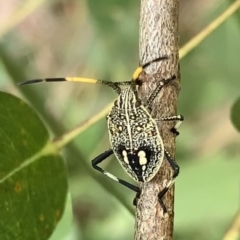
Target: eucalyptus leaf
(235, 114)
(33, 184)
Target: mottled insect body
(133, 133)
(134, 137)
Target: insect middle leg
(178, 118)
(101, 158)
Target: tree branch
(159, 37)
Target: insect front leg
(175, 168)
(157, 90)
(101, 158)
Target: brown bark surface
(159, 37)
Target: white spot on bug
(143, 168)
(142, 157)
(125, 158)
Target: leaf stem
(195, 41)
(60, 142)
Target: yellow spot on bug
(136, 73)
(142, 158)
(125, 158)
(41, 218)
(139, 129)
(18, 187)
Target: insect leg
(101, 158)
(113, 85)
(157, 90)
(178, 118)
(175, 168)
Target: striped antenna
(67, 79)
(114, 85)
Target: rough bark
(159, 37)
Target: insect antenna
(113, 85)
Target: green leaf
(235, 114)
(33, 184)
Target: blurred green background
(99, 39)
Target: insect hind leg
(175, 168)
(101, 158)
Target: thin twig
(195, 41)
(60, 142)
(234, 230)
